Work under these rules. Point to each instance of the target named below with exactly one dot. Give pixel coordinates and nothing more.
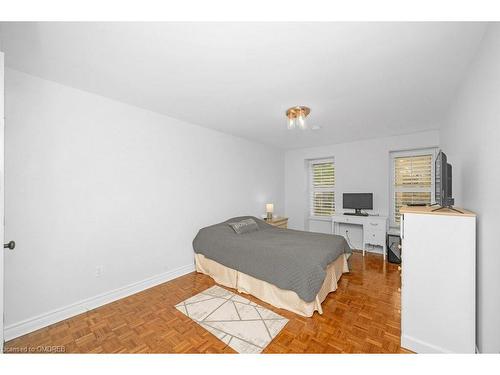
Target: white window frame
(392, 190)
(311, 189)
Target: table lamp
(269, 211)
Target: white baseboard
(43, 320)
(419, 346)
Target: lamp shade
(270, 207)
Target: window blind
(322, 187)
(412, 181)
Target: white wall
(471, 140)
(362, 166)
(93, 182)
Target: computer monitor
(358, 202)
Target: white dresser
(374, 228)
(438, 280)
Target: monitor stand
(357, 212)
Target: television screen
(449, 202)
(358, 201)
(441, 179)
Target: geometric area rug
(243, 325)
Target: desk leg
(364, 244)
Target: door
(10, 245)
(2, 118)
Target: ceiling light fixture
(296, 117)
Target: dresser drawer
(282, 225)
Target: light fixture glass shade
(302, 121)
(296, 117)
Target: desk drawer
(374, 225)
(375, 237)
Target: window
(412, 180)
(322, 187)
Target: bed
(286, 268)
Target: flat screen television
(358, 202)
(443, 181)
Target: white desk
(374, 228)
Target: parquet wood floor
(362, 316)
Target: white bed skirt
(285, 299)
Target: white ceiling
(361, 80)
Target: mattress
(281, 298)
(289, 259)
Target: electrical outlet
(99, 270)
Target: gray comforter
(290, 259)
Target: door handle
(10, 245)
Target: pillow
(244, 226)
